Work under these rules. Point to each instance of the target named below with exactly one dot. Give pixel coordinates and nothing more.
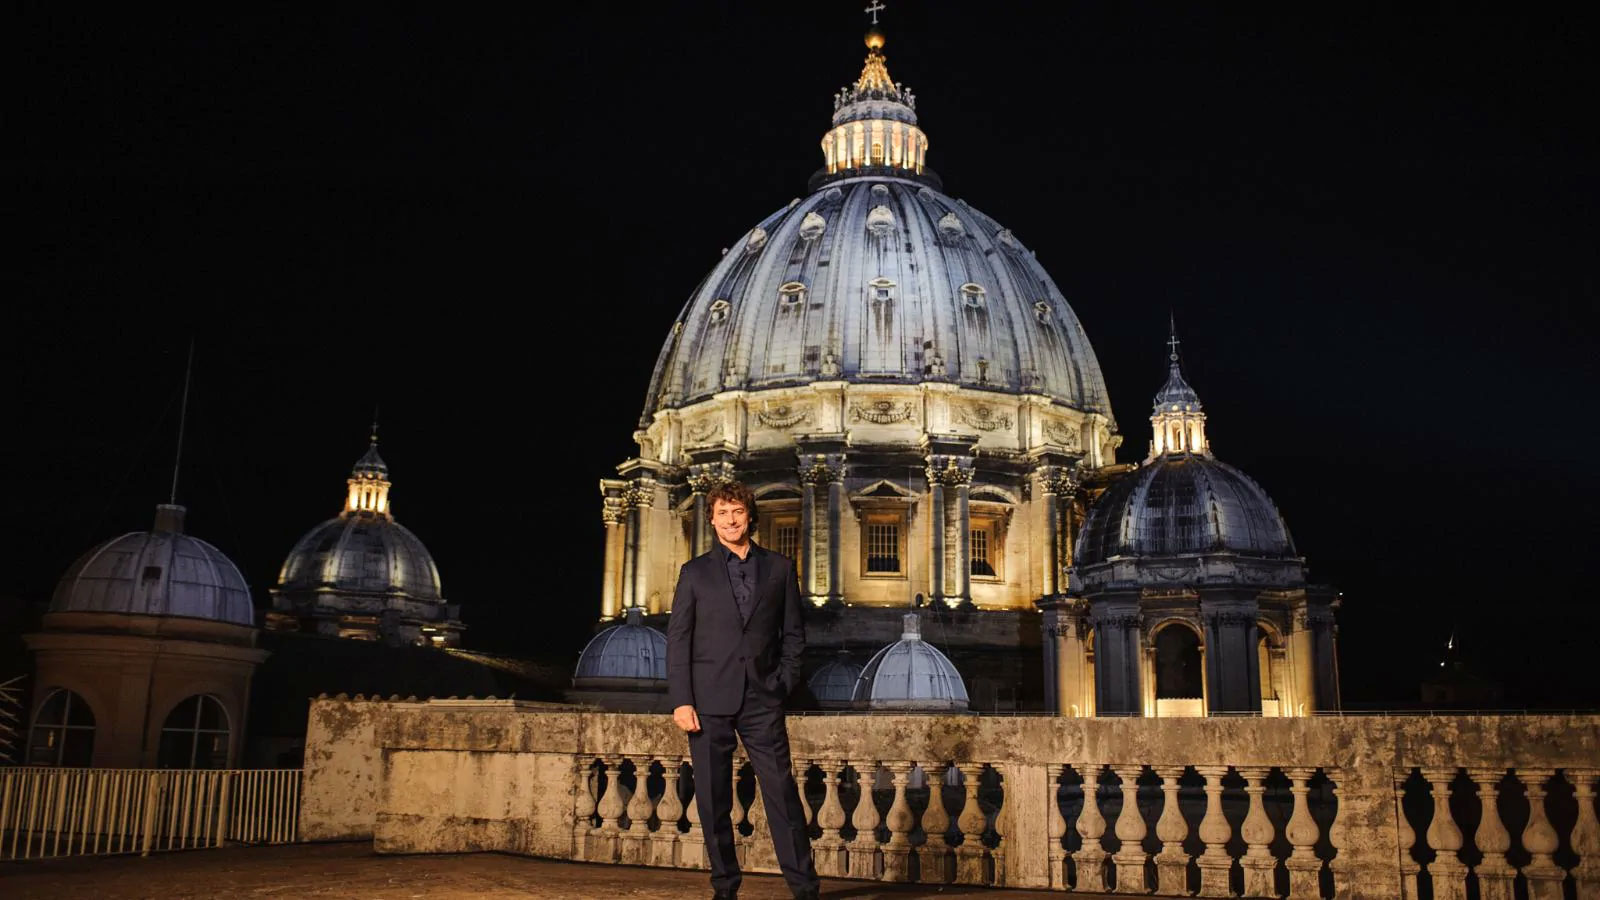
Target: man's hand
(686, 719)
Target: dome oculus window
(791, 293)
(972, 294)
(719, 311)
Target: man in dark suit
(733, 654)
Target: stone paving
(353, 870)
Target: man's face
(731, 520)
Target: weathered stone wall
(503, 775)
(339, 799)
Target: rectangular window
(982, 563)
(883, 543)
(985, 549)
(786, 538)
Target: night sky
(1375, 227)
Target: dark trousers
(760, 724)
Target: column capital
(1057, 480)
(820, 468)
(703, 477)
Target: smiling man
(733, 654)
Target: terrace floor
(353, 870)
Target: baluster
(828, 849)
(935, 825)
(1172, 864)
(664, 842)
(1058, 830)
(693, 854)
(970, 853)
(1407, 838)
(1339, 866)
(1215, 862)
(610, 809)
(1130, 830)
(1585, 833)
(897, 854)
(1090, 860)
(1540, 840)
(1301, 831)
(1256, 830)
(1495, 875)
(1444, 836)
(864, 849)
(636, 840)
(802, 772)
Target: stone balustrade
(1367, 807)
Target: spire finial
(873, 10)
(183, 418)
(1172, 331)
(374, 438)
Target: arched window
(1178, 664)
(195, 735)
(63, 731)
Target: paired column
(1066, 658)
(614, 517)
(1233, 665)
(950, 484)
(1056, 488)
(822, 498)
(1116, 622)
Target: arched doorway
(63, 731)
(195, 735)
(1180, 679)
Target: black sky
(1376, 228)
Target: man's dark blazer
(711, 656)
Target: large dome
(878, 279)
(161, 572)
(365, 553)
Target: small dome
(161, 572)
(371, 465)
(632, 650)
(910, 674)
(362, 552)
(1176, 392)
(834, 684)
(1178, 505)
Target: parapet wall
(449, 776)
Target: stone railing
(1298, 808)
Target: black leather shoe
(808, 895)
(726, 895)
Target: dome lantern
(875, 121)
(1178, 423)
(369, 482)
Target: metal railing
(69, 812)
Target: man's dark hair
(733, 492)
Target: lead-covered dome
(633, 653)
(910, 674)
(161, 572)
(1184, 504)
(362, 552)
(1184, 515)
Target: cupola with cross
(369, 482)
(875, 119)
(1178, 424)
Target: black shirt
(741, 577)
